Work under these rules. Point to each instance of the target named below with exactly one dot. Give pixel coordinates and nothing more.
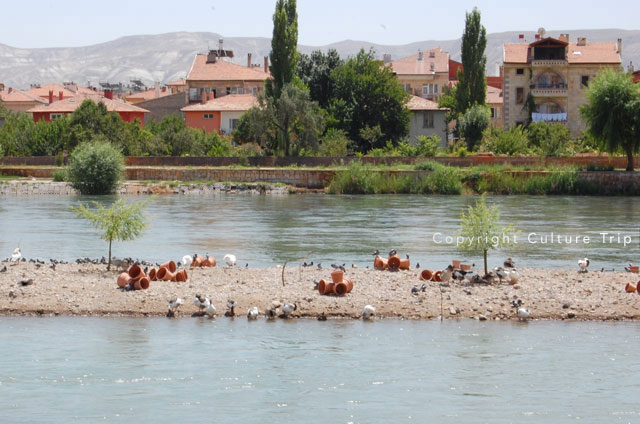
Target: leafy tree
(473, 123)
(284, 47)
(612, 113)
(120, 222)
(472, 85)
(334, 143)
(549, 139)
(315, 71)
(95, 167)
(367, 95)
(448, 101)
(481, 230)
(513, 141)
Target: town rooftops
(221, 70)
(71, 104)
(43, 91)
(149, 94)
(418, 103)
(176, 83)
(494, 95)
(17, 96)
(228, 103)
(586, 52)
(427, 62)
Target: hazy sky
(67, 23)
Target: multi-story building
(555, 73)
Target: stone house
(426, 119)
(555, 72)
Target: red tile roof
(71, 104)
(222, 70)
(418, 103)
(149, 94)
(412, 66)
(176, 83)
(494, 95)
(589, 53)
(43, 91)
(229, 103)
(20, 96)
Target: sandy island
(90, 290)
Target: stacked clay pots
(339, 285)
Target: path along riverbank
(90, 290)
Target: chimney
(108, 94)
(537, 36)
(564, 37)
(11, 89)
(420, 55)
(249, 60)
(60, 95)
(157, 89)
(521, 37)
(50, 96)
(204, 97)
(211, 95)
(266, 64)
(387, 58)
(620, 46)
(582, 41)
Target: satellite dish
(542, 32)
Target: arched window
(549, 107)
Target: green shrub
(428, 146)
(59, 175)
(598, 167)
(549, 139)
(248, 150)
(335, 143)
(429, 165)
(510, 142)
(473, 123)
(356, 179)
(461, 152)
(95, 167)
(442, 180)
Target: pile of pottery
(392, 263)
(168, 272)
(134, 279)
(339, 284)
(199, 261)
(630, 288)
(429, 275)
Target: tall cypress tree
(472, 84)
(284, 47)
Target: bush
(95, 167)
(428, 146)
(510, 142)
(59, 175)
(473, 123)
(335, 143)
(549, 139)
(356, 179)
(247, 150)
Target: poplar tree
(284, 48)
(472, 84)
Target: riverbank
(90, 290)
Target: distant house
(149, 94)
(555, 72)
(427, 119)
(53, 111)
(219, 114)
(20, 101)
(51, 92)
(426, 73)
(495, 101)
(178, 86)
(162, 106)
(213, 74)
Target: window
(519, 95)
(406, 87)
(208, 116)
(425, 90)
(520, 71)
(228, 90)
(194, 94)
(254, 91)
(427, 119)
(429, 90)
(233, 123)
(585, 80)
(54, 116)
(493, 113)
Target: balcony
(549, 90)
(549, 62)
(549, 117)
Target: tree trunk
(109, 264)
(629, 149)
(485, 262)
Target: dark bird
(516, 303)
(393, 252)
(509, 263)
(4, 269)
(52, 266)
(417, 265)
(322, 317)
(246, 265)
(319, 266)
(423, 288)
(26, 282)
(415, 290)
(376, 253)
(231, 305)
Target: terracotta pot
(164, 274)
(182, 276)
(380, 263)
(343, 287)
(349, 284)
(394, 262)
(171, 266)
(152, 274)
(197, 261)
(630, 288)
(325, 287)
(405, 264)
(436, 276)
(456, 264)
(142, 283)
(638, 287)
(634, 268)
(465, 267)
(337, 276)
(135, 272)
(426, 275)
(123, 279)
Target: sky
(72, 23)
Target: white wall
(225, 118)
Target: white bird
(583, 264)
(209, 309)
(368, 312)
(15, 257)
(501, 273)
(173, 306)
(523, 314)
(446, 274)
(187, 260)
(253, 313)
(201, 302)
(513, 276)
(287, 309)
(230, 260)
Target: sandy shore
(90, 290)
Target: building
(52, 111)
(178, 86)
(219, 114)
(555, 73)
(20, 101)
(426, 119)
(51, 92)
(162, 106)
(495, 101)
(148, 94)
(213, 74)
(426, 73)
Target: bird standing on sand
(523, 314)
(509, 263)
(230, 260)
(15, 257)
(252, 314)
(231, 305)
(368, 312)
(445, 276)
(271, 313)
(186, 261)
(500, 273)
(583, 264)
(209, 309)
(173, 307)
(287, 309)
(201, 302)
